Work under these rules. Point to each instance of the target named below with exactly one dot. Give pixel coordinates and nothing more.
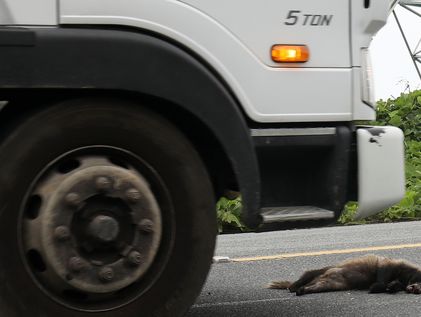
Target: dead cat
(373, 273)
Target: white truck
(122, 121)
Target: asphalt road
(237, 288)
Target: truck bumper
(381, 176)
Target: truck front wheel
(105, 207)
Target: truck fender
(134, 61)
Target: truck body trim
(292, 132)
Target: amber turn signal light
(290, 53)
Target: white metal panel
(365, 23)
(361, 111)
(267, 94)
(322, 25)
(381, 176)
(28, 12)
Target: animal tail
(279, 285)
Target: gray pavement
(238, 288)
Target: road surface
(237, 288)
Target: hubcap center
(103, 228)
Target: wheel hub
(103, 228)
(98, 229)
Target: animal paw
(377, 288)
(394, 287)
(414, 288)
(300, 291)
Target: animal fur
(373, 273)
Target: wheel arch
(124, 63)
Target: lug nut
(102, 183)
(133, 195)
(62, 233)
(146, 225)
(73, 199)
(134, 258)
(106, 274)
(76, 264)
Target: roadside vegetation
(229, 214)
(403, 112)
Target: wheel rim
(92, 226)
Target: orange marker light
(290, 53)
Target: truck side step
(279, 214)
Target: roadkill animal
(373, 273)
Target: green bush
(403, 112)
(229, 214)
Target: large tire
(157, 151)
